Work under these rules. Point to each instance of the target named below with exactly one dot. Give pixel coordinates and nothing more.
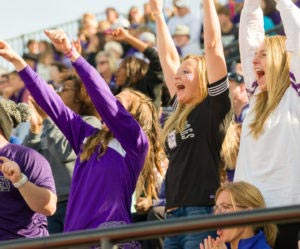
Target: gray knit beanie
(11, 115)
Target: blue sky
(22, 16)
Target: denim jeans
(187, 241)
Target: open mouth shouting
(261, 79)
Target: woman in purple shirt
(109, 160)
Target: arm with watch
(39, 199)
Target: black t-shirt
(194, 154)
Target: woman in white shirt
(269, 148)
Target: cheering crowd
(153, 117)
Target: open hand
(156, 6)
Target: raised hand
(77, 45)
(10, 170)
(120, 34)
(7, 52)
(59, 39)
(156, 6)
(37, 116)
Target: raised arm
(112, 112)
(168, 55)
(154, 74)
(70, 123)
(123, 35)
(251, 36)
(214, 54)
(290, 14)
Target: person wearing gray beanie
(27, 189)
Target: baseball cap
(180, 3)
(181, 30)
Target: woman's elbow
(50, 208)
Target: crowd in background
(149, 62)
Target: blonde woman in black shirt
(192, 134)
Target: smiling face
(259, 64)
(224, 204)
(187, 82)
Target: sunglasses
(236, 77)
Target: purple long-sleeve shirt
(101, 188)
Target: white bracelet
(20, 183)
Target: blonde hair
(277, 81)
(231, 144)
(230, 149)
(247, 195)
(142, 109)
(147, 115)
(178, 119)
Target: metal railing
(145, 230)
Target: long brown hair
(135, 69)
(81, 97)
(278, 80)
(141, 108)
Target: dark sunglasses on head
(236, 77)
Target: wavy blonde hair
(178, 119)
(247, 195)
(141, 108)
(277, 80)
(230, 149)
